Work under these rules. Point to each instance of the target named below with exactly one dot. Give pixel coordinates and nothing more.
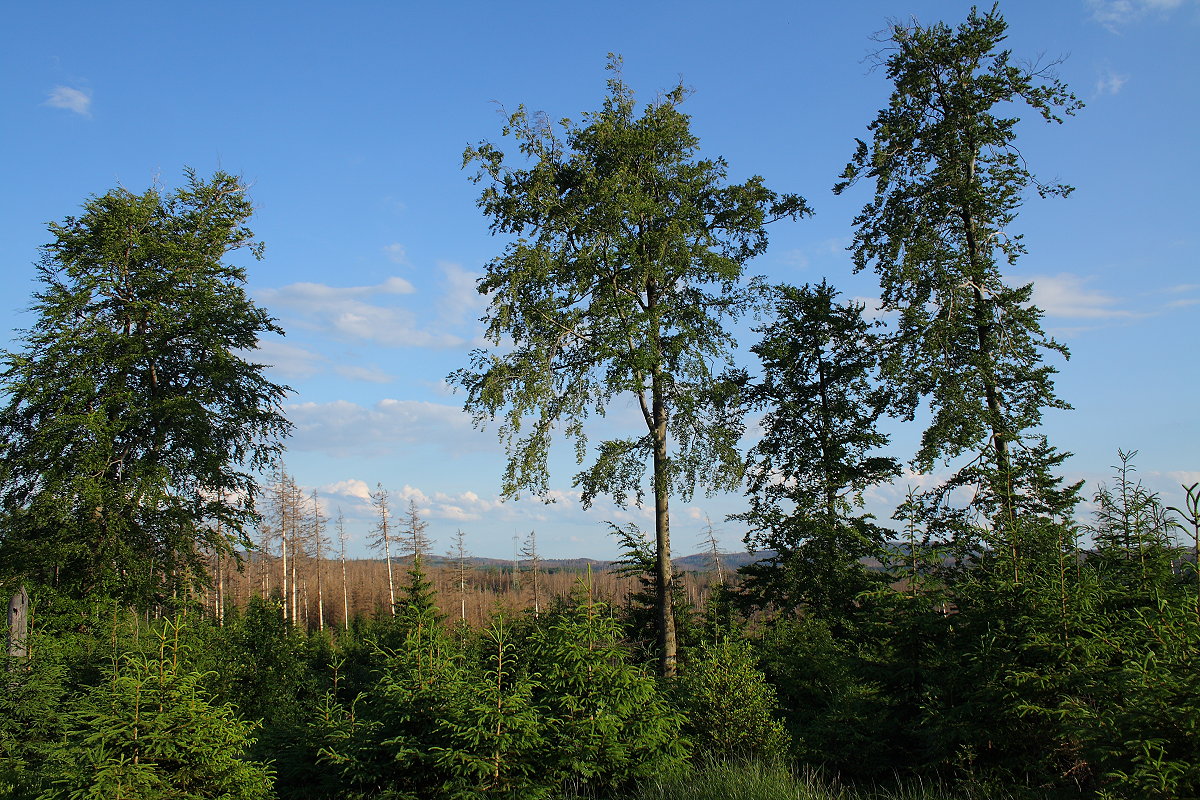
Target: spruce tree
(150, 731)
(818, 454)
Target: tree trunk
(18, 628)
(662, 536)
(345, 593)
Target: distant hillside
(698, 562)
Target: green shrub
(732, 712)
(610, 725)
(149, 732)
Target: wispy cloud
(794, 258)
(346, 311)
(370, 374)
(291, 362)
(76, 100)
(343, 429)
(1110, 82)
(1067, 295)
(288, 360)
(396, 253)
(460, 297)
(1115, 14)
(1187, 477)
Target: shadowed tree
(818, 454)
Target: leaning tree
(949, 180)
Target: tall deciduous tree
(949, 180)
(629, 260)
(134, 424)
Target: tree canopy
(135, 423)
(949, 180)
(627, 264)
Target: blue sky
(349, 121)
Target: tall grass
(753, 780)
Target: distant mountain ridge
(697, 562)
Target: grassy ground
(756, 781)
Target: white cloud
(343, 429)
(460, 298)
(1114, 14)
(360, 373)
(309, 295)
(795, 258)
(1182, 302)
(76, 100)
(288, 360)
(351, 487)
(1185, 477)
(396, 253)
(1110, 82)
(291, 362)
(345, 311)
(1067, 295)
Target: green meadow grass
(760, 781)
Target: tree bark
(18, 628)
(665, 578)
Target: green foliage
(833, 699)
(732, 712)
(741, 780)
(1133, 536)
(31, 722)
(272, 673)
(385, 742)
(496, 731)
(609, 724)
(756, 780)
(629, 263)
(133, 428)
(639, 614)
(265, 667)
(1143, 737)
(949, 180)
(816, 457)
(150, 731)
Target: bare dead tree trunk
(379, 499)
(529, 553)
(18, 628)
(341, 523)
(460, 554)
